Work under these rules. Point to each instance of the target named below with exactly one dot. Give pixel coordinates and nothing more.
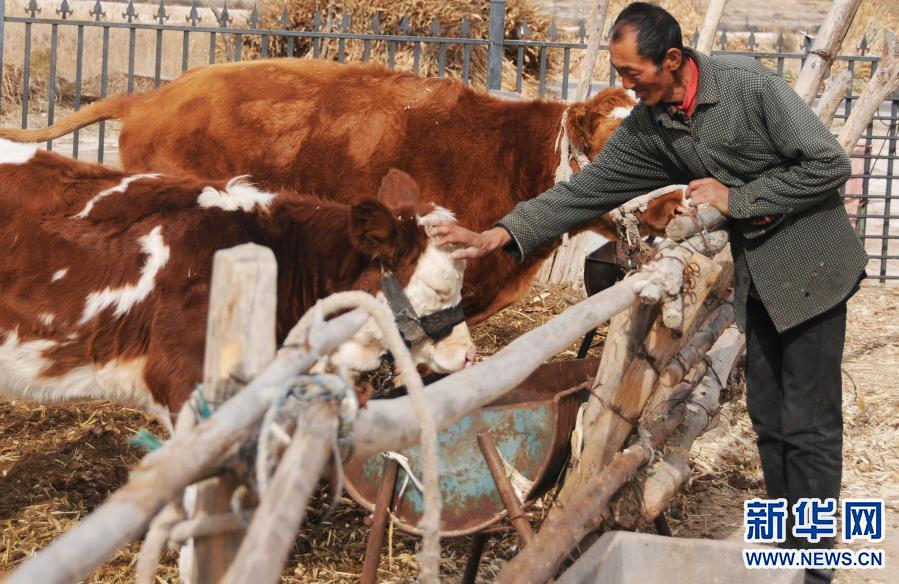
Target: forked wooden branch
(699, 345)
(883, 84)
(826, 47)
(653, 492)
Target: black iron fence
(540, 65)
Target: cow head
(591, 122)
(394, 231)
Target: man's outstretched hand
(473, 244)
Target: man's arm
(819, 167)
(626, 167)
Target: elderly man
(746, 144)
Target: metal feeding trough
(530, 426)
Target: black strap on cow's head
(413, 328)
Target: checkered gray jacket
(754, 134)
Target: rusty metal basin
(531, 425)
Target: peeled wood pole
(383, 501)
(588, 65)
(273, 530)
(710, 26)
(504, 487)
(834, 91)
(240, 341)
(668, 474)
(827, 44)
(882, 85)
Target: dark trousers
(794, 398)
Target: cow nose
(470, 358)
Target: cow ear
(580, 127)
(398, 190)
(374, 229)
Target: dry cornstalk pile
(421, 15)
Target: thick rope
(429, 556)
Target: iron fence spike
(33, 8)
(97, 11)
(253, 18)
(553, 33)
(780, 42)
(525, 30)
(161, 15)
(722, 40)
(284, 20)
(64, 9)
(582, 31)
(316, 20)
(130, 13)
(346, 22)
(375, 23)
(435, 26)
(466, 27)
(193, 17)
(751, 40)
(225, 18)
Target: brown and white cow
(334, 130)
(104, 276)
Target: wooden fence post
(710, 26)
(589, 63)
(827, 44)
(240, 341)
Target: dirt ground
(57, 463)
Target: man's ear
(673, 59)
(373, 228)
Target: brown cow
(334, 130)
(104, 279)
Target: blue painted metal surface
(531, 426)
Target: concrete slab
(621, 557)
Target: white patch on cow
(620, 112)
(16, 152)
(59, 274)
(124, 298)
(22, 363)
(438, 214)
(46, 319)
(238, 194)
(119, 188)
(436, 284)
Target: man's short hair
(657, 31)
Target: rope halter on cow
(568, 152)
(414, 328)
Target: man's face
(651, 83)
